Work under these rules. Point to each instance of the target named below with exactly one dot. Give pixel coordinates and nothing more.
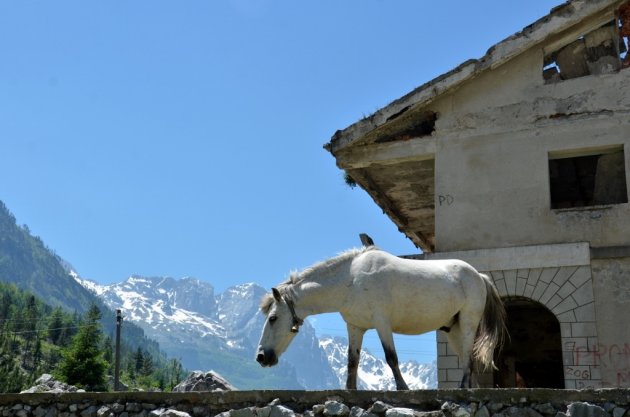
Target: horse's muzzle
(266, 357)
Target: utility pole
(117, 366)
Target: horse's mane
(296, 277)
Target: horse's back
(415, 296)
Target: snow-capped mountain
(221, 332)
(373, 372)
(218, 332)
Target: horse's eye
(272, 319)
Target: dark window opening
(532, 355)
(589, 180)
(624, 34)
(602, 51)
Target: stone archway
(532, 355)
(566, 292)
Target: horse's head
(281, 326)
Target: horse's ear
(276, 294)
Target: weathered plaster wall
(611, 285)
(493, 142)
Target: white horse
(373, 289)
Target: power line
(22, 320)
(46, 330)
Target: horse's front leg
(355, 341)
(387, 340)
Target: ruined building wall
(495, 137)
(611, 285)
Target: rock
(482, 412)
(89, 411)
(452, 409)
(47, 383)
(495, 407)
(318, 408)
(44, 379)
(281, 411)
(379, 407)
(522, 412)
(264, 411)
(174, 413)
(336, 409)
(244, 412)
(157, 412)
(357, 412)
(399, 412)
(199, 381)
(619, 412)
(199, 411)
(586, 410)
(39, 411)
(463, 412)
(546, 409)
(104, 412)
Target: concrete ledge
(521, 257)
(610, 252)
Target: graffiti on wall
(612, 360)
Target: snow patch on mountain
(373, 372)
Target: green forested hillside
(25, 261)
(36, 338)
(36, 270)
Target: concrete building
(518, 163)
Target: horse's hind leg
(355, 340)
(461, 341)
(387, 340)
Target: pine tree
(108, 354)
(138, 358)
(174, 372)
(131, 370)
(147, 365)
(30, 318)
(82, 363)
(55, 326)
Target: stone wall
(427, 403)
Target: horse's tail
(492, 329)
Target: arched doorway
(532, 355)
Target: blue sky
(185, 138)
